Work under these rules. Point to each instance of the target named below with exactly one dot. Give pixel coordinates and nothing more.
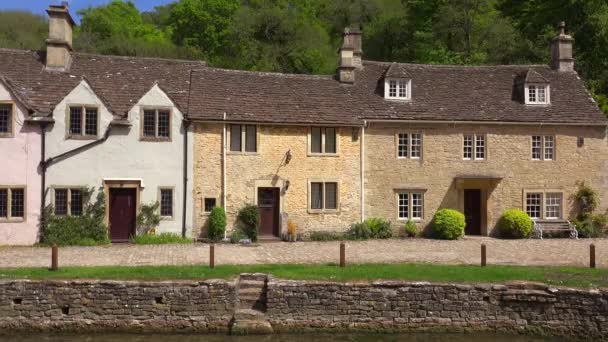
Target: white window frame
(410, 137)
(409, 197)
(547, 145)
(9, 205)
(545, 203)
(400, 93)
(474, 146)
(536, 100)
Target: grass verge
(159, 239)
(558, 276)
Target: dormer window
(397, 89)
(537, 94)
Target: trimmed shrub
(249, 218)
(237, 236)
(448, 224)
(160, 239)
(325, 236)
(379, 228)
(217, 224)
(515, 224)
(358, 231)
(410, 229)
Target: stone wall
(503, 176)
(205, 306)
(208, 306)
(245, 173)
(403, 306)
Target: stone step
(249, 315)
(253, 276)
(246, 284)
(247, 327)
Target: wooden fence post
(483, 255)
(212, 256)
(342, 254)
(54, 258)
(592, 256)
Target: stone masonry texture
(208, 306)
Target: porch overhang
(480, 181)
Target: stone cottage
(391, 140)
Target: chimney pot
(350, 55)
(561, 50)
(59, 42)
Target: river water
(277, 338)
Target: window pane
(17, 203)
(251, 138)
(149, 123)
(235, 138)
(549, 147)
(416, 146)
(209, 204)
(166, 202)
(331, 195)
(403, 206)
(533, 205)
(75, 202)
(402, 89)
(416, 205)
(553, 205)
(315, 140)
(61, 201)
(480, 147)
(468, 147)
(330, 140)
(541, 95)
(392, 88)
(75, 121)
(6, 120)
(536, 147)
(316, 195)
(163, 124)
(403, 145)
(532, 93)
(4, 203)
(90, 124)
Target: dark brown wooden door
(268, 204)
(122, 214)
(472, 211)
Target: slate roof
(119, 81)
(439, 93)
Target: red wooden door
(268, 204)
(122, 214)
(472, 211)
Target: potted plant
(292, 229)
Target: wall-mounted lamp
(288, 157)
(287, 182)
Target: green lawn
(564, 276)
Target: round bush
(249, 217)
(448, 224)
(515, 224)
(217, 224)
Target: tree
(22, 30)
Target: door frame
(481, 209)
(120, 184)
(278, 223)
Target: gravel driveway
(465, 251)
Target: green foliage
(148, 218)
(87, 229)
(217, 224)
(325, 236)
(22, 30)
(249, 219)
(448, 224)
(237, 236)
(371, 228)
(159, 239)
(410, 229)
(594, 226)
(586, 200)
(515, 224)
(358, 231)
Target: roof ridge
(463, 66)
(265, 73)
(176, 60)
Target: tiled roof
(439, 93)
(532, 76)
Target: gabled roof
(119, 81)
(396, 70)
(11, 89)
(532, 76)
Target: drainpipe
(224, 143)
(48, 162)
(42, 178)
(186, 123)
(362, 167)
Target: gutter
(52, 160)
(253, 122)
(523, 123)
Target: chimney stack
(350, 56)
(59, 42)
(561, 50)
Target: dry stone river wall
(213, 306)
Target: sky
(39, 6)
